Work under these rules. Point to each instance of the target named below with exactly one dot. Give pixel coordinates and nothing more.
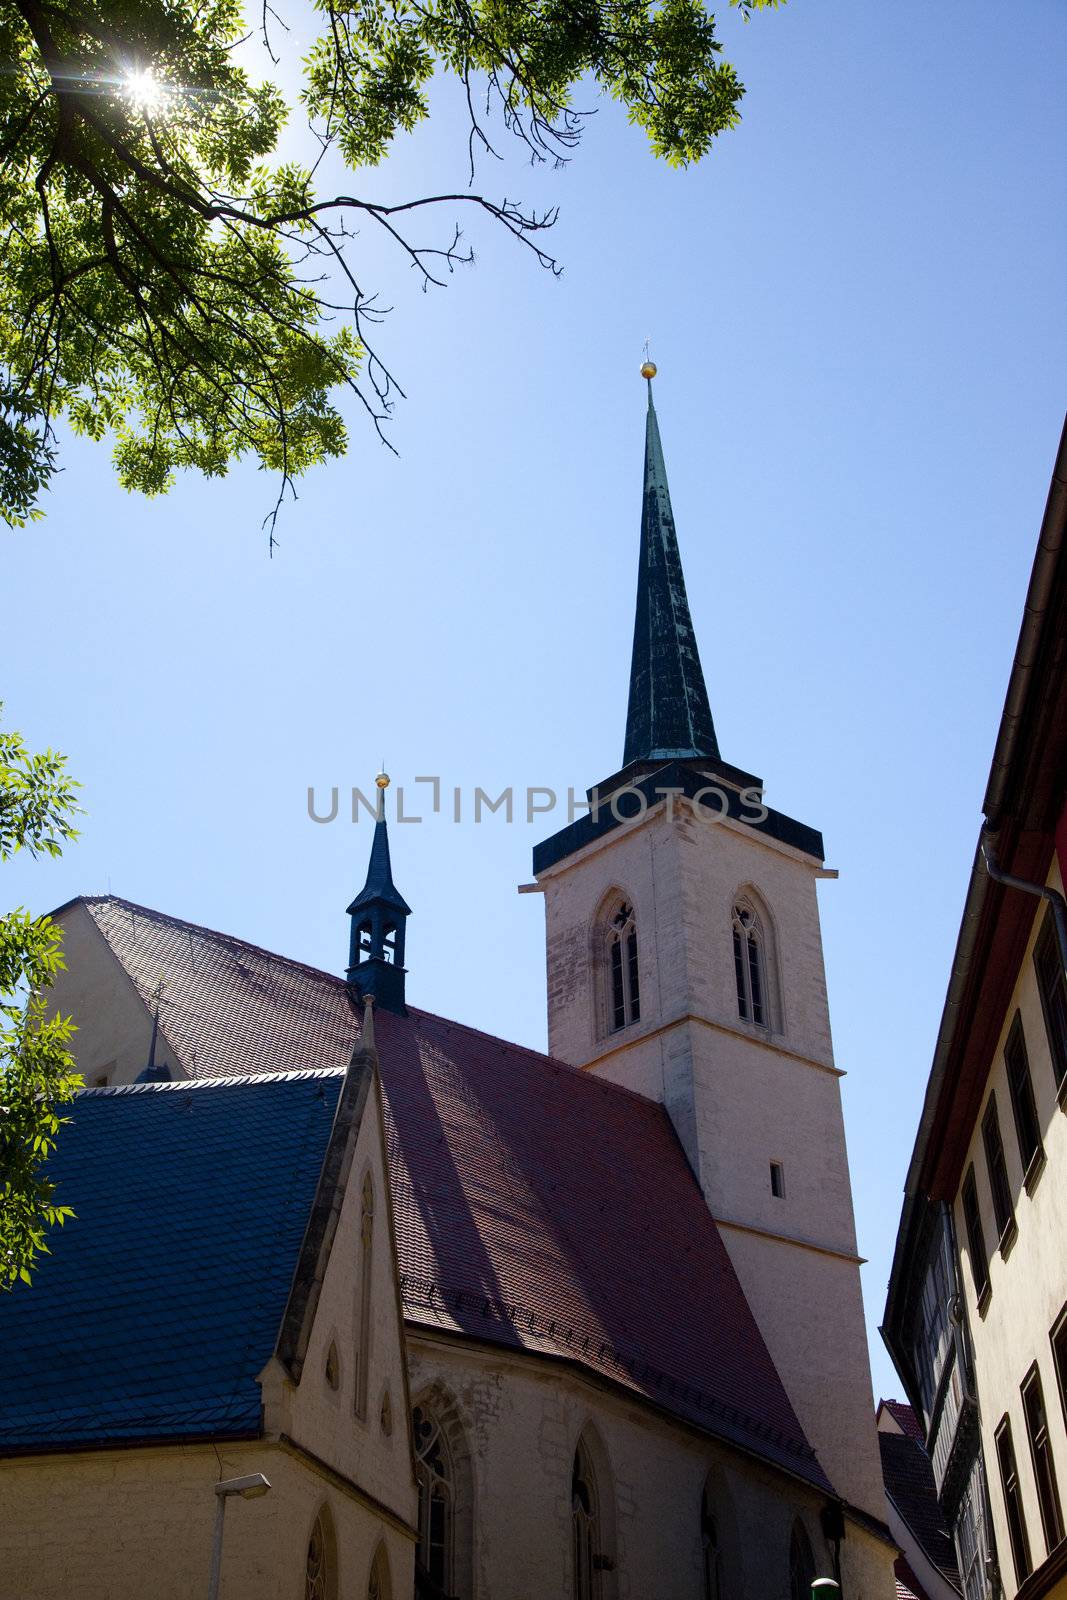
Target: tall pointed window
(801, 1564)
(379, 1586)
(621, 978)
(366, 1265)
(585, 1524)
(711, 1549)
(435, 1478)
(320, 1564)
(751, 966)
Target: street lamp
(249, 1487)
(825, 1589)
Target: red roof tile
(905, 1419)
(908, 1585)
(536, 1206)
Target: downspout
(1052, 896)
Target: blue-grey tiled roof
(160, 1302)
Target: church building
(470, 1320)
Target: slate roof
(536, 1206)
(909, 1483)
(161, 1299)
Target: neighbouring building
(976, 1317)
(629, 1360)
(926, 1568)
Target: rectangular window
(777, 1180)
(1022, 1094)
(1048, 1494)
(618, 1003)
(1013, 1503)
(739, 973)
(1058, 1337)
(1051, 983)
(975, 1236)
(1003, 1209)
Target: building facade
(976, 1318)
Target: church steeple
(669, 715)
(379, 916)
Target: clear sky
(856, 303)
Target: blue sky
(856, 306)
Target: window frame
(753, 964)
(1041, 1458)
(997, 1171)
(976, 1244)
(617, 958)
(1057, 1337)
(1053, 992)
(1014, 1511)
(1021, 1095)
(434, 1486)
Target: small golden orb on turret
(382, 780)
(648, 369)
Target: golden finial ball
(382, 780)
(648, 369)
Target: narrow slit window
(1013, 1503)
(366, 1273)
(1003, 1209)
(777, 1180)
(1048, 1494)
(1052, 984)
(975, 1235)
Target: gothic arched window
(320, 1565)
(379, 1587)
(366, 1264)
(585, 1523)
(435, 1478)
(618, 958)
(751, 965)
(801, 1563)
(711, 1549)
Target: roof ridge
(540, 1056)
(212, 933)
(221, 1081)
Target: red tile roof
(536, 1206)
(905, 1419)
(908, 1585)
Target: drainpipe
(1053, 896)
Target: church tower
(685, 962)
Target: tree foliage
(37, 1071)
(166, 281)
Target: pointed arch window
(801, 1563)
(751, 966)
(320, 1565)
(436, 1485)
(585, 1525)
(711, 1548)
(379, 1586)
(366, 1266)
(622, 971)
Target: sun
(144, 90)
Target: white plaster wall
(114, 1024)
(522, 1419)
(1029, 1280)
(324, 1420)
(124, 1525)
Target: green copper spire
(669, 716)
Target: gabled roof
(536, 1206)
(909, 1483)
(904, 1417)
(161, 1300)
